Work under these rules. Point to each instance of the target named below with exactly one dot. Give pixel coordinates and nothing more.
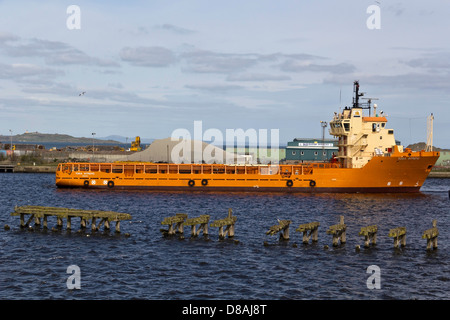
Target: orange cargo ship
(368, 160)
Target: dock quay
(26, 169)
(37, 213)
(7, 167)
(34, 169)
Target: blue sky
(150, 67)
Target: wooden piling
(370, 235)
(431, 236)
(282, 227)
(399, 235)
(69, 223)
(228, 222)
(175, 224)
(202, 221)
(41, 212)
(309, 230)
(339, 232)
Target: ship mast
(357, 94)
(430, 133)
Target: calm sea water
(145, 265)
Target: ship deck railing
(129, 169)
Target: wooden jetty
(175, 224)
(339, 232)
(431, 236)
(309, 230)
(282, 227)
(228, 222)
(40, 212)
(399, 235)
(202, 221)
(370, 235)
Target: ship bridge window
(390, 131)
(346, 126)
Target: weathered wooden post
(339, 232)
(106, 226)
(175, 224)
(282, 227)
(312, 228)
(22, 220)
(229, 222)
(399, 235)
(370, 235)
(29, 220)
(83, 223)
(45, 224)
(59, 222)
(93, 226)
(431, 236)
(193, 222)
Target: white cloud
(174, 29)
(53, 52)
(148, 56)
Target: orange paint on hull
(399, 172)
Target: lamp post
(93, 134)
(324, 125)
(10, 145)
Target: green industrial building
(307, 150)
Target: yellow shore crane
(136, 144)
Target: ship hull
(403, 173)
(261, 189)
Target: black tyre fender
(289, 183)
(191, 183)
(110, 184)
(204, 182)
(312, 183)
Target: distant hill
(422, 146)
(126, 139)
(38, 137)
